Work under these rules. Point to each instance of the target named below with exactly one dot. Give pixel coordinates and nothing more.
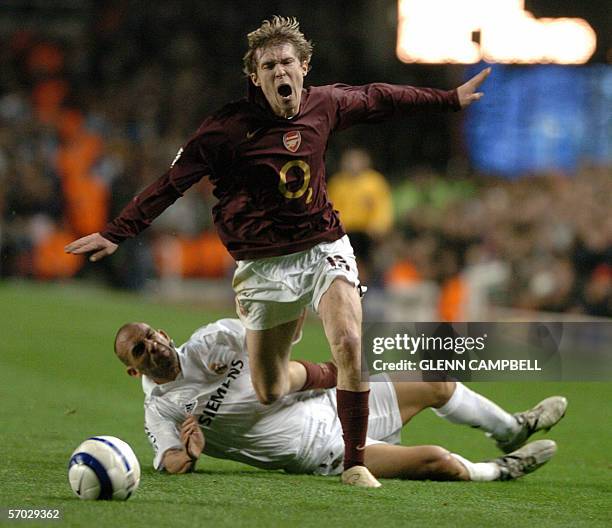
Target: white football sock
(479, 471)
(470, 408)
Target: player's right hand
(192, 437)
(94, 242)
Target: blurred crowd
(551, 235)
(86, 123)
(538, 243)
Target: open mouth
(284, 90)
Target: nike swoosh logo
(251, 135)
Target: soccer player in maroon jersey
(265, 158)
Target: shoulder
(332, 96)
(339, 183)
(222, 334)
(216, 345)
(229, 326)
(322, 100)
(334, 90)
(222, 125)
(232, 111)
(327, 91)
(375, 178)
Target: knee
(268, 395)
(436, 460)
(440, 464)
(441, 392)
(347, 347)
(434, 455)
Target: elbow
(269, 397)
(177, 462)
(185, 468)
(170, 469)
(269, 394)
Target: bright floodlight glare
(440, 31)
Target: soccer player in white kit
(199, 398)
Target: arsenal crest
(292, 141)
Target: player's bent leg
(414, 463)
(509, 431)
(340, 311)
(414, 396)
(269, 360)
(467, 407)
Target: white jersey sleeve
(162, 431)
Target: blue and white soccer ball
(103, 468)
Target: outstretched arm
(184, 460)
(373, 103)
(189, 167)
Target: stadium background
(501, 212)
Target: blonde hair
(278, 30)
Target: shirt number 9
(282, 185)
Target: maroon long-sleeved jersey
(268, 172)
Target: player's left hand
(467, 92)
(192, 437)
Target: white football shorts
(322, 450)
(275, 290)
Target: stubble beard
(166, 368)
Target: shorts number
(338, 262)
(282, 185)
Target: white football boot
(542, 417)
(526, 459)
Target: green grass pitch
(59, 384)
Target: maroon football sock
(319, 375)
(353, 413)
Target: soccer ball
(104, 468)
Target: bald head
(124, 341)
(144, 350)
